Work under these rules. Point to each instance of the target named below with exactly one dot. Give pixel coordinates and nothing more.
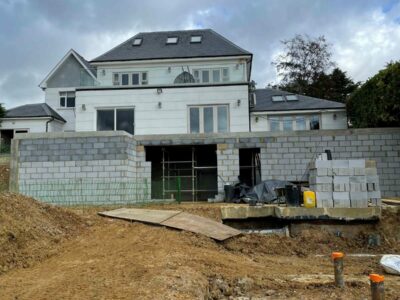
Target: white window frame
(64, 94)
(115, 108)
(137, 41)
(117, 78)
(222, 78)
(172, 40)
(196, 39)
(215, 117)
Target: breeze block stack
(345, 183)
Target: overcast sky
(35, 34)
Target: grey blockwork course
(40, 158)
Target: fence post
(178, 188)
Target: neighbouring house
(275, 110)
(175, 82)
(29, 118)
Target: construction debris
(391, 264)
(175, 219)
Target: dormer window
(137, 42)
(195, 39)
(172, 40)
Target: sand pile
(30, 231)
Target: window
(274, 124)
(134, 78)
(300, 123)
(208, 119)
(291, 97)
(314, 122)
(137, 42)
(172, 40)
(67, 99)
(277, 98)
(211, 75)
(287, 124)
(195, 39)
(116, 119)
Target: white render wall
(38, 125)
(52, 98)
(159, 73)
(327, 120)
(172, 117)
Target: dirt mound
(4, 175)
(30, 231)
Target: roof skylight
(137, 42)
(291, 97)
(195, 39)
(277, 98)
(172, 40)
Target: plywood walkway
(175, 219)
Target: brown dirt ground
(113, 259)
(4, 175)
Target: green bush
(377, 102)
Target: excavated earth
(55, 253)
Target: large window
(274, 124)
(67, 99)
(300, 123)
(208, 119)
(287, 123)
(116, 119)
(211, 75)
(127, 79)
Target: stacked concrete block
(344, 183)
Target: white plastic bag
(391, 264)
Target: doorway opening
(250, 166)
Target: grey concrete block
(340, 163)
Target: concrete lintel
(77, 134)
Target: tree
(304, 60)
(336, 86)
(377, 102)
(2, 112)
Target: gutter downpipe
(47, 123)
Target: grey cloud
(34, 35)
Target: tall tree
(303, 61)
(2, 112)
(377, 102)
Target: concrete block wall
(76, 168)
(227, 165)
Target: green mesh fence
(75, 192)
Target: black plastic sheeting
(265, 192)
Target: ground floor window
(116, 119)
(289, 123)
(208, 119)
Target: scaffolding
(182, 176)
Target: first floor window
(208, 119)
(211, 75)
(132, 78)
(116, 119)
(314, 122)
(67, 99)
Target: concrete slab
(175, 219)
(301, 213)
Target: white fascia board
(296, 112)
(26, 118)
(168, 60)
(43, 84)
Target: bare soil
(101, 258)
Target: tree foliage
(377, 102)
(2, 111)
(304, 68)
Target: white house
(170, 82)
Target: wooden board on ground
(175, 219)
(391, 201)
(143, 215)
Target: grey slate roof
(154, 46)
(264, 102)
(33, 111)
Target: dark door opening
(250, 166)
(183, 172)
